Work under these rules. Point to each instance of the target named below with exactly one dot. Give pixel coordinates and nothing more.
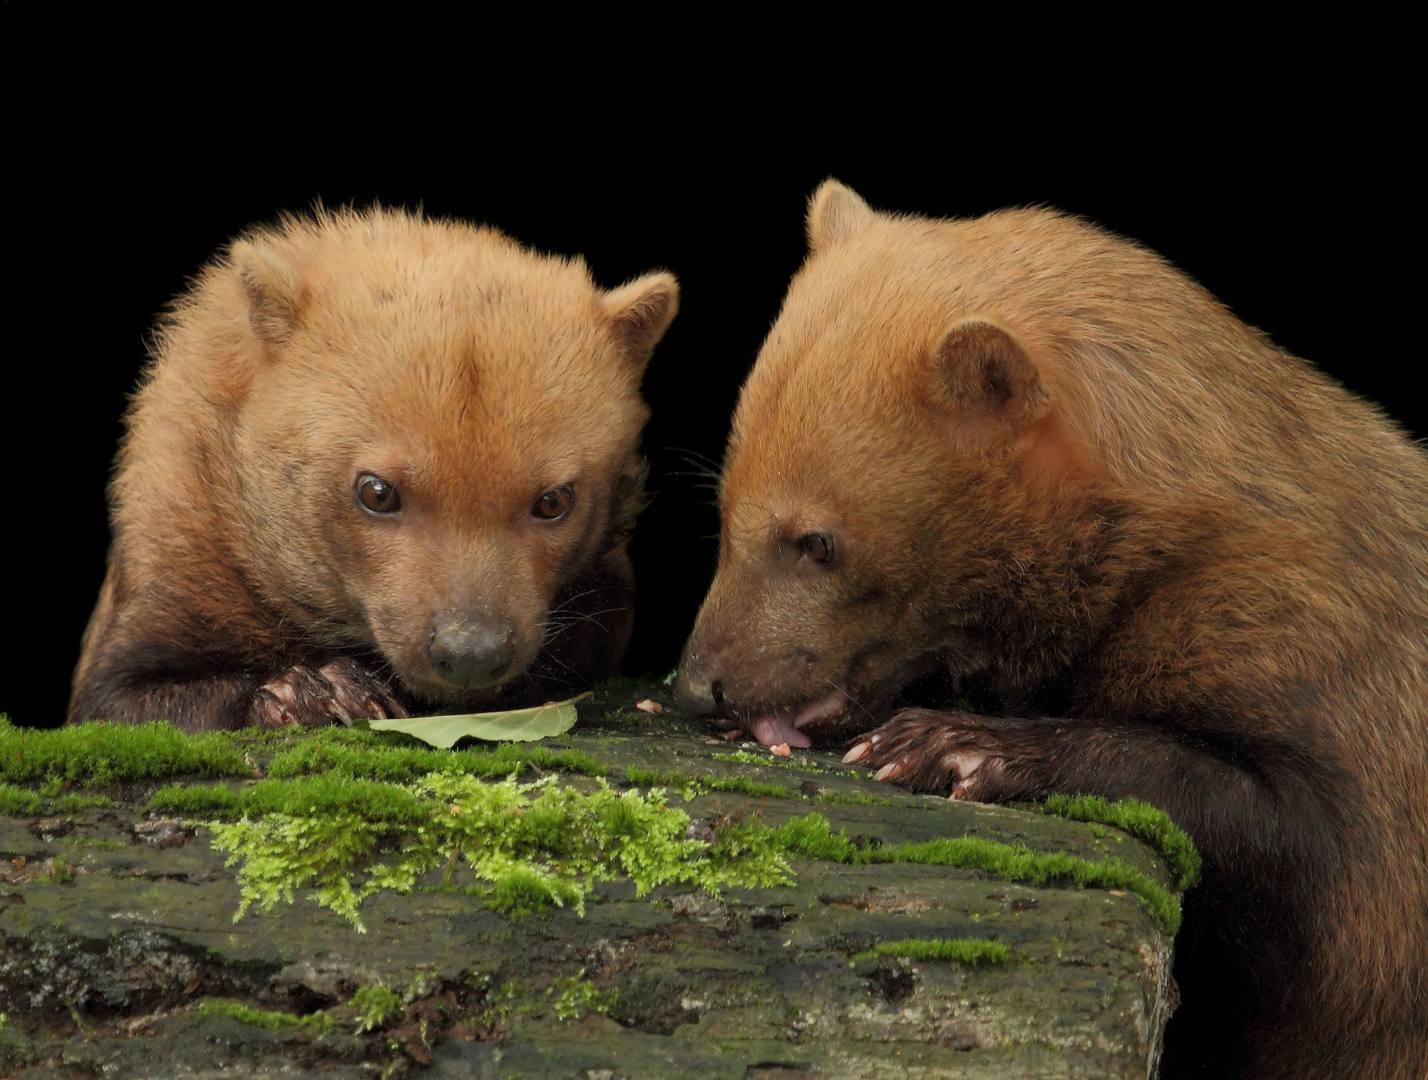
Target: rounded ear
(640, 312)
(273, 306)
(986, 372)
(835, 211)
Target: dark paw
(340, 691)
(926, 750)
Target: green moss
(748, 841)
(95, 843)
(522, 889)
(360, 734)
(653, 778)
(741, 786)
(263, 1018)
(18, 801)
(743, 757)
(812, 837)
(315, 796)
(398, 765)
(500, 1000)
(1141, 820)
(386, 802)
(736, 784)
(319, 778)
(193, 801)
(22, 802)
(1015, 862)
(572, 761)
(280, 854)
(529, 846)
(574, 997)
(856, 798)
(374, 1004)
(970, 951)
(100, 753)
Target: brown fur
(246, 584)
(1186, 566)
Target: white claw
(965, 764)
(964, 792)
(825, 708)
(892, 768)
(858, 753)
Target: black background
(1297, 210)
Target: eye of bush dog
(817, 546)
(376, 495)
(554, 504)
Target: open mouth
(857, 703)
(786, 728)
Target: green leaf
(512, 725)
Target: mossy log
(880, 954)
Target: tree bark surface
(104, 974)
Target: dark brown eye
(376, 495)
(817, 546)
(554, 504)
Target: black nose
(470, 654)
(695, 691)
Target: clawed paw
(925, 750)
(340, 691)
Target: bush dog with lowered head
(377, 463)
(1174, 562)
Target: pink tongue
(774, 730)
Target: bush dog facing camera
(1184, 567)
(376, 463)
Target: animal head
(434, 430)
(924, 458)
